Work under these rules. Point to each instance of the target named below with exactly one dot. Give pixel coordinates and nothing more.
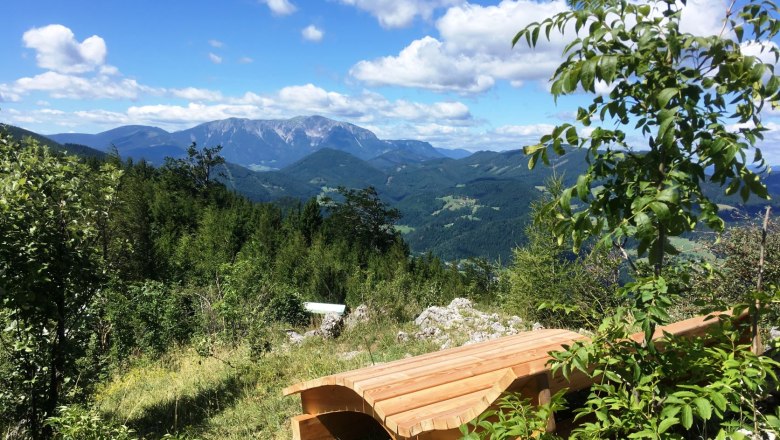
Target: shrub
(77, 423)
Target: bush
(286, 306)
(148, 318)
(77, 423)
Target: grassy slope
(235, 397)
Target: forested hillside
(156, 257)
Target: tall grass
(230, 396)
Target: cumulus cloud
(400, 13)
(280, 7)
(425, 64)
(59, 85)
(216, 59)
(196, 94)
(191, 114)
(703, 17)
(473, 49)
(245, 60)
(216, 43)
(7, 94)
(56, 48)
(312, 33)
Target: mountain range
(455, 207)
(258, 144)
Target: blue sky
(436, 70)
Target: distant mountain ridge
(259, 144)
(475, 206)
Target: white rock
(295, 337)
(361, 314)
(331, 325)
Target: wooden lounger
(428, 397)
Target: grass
(404, 229)
(454, 203)
(234, 397)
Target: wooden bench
(428, 397)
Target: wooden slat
(401, 364)
(308, 427)
(488, 351)
(427, 396)
(510, 343)
(404, 423)
(434, 375)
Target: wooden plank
(404, 423)
(324, 308)
(444, 356)
(445, 363)
(333, 398)
(426, 396)
(381, 388)
(308, 427)
(349, 377)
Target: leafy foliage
(515, 418)
(51, 211)
(697, 100)
(550, 284)
(685, 92)
(76, 423)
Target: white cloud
(108, 70)
(703, 17)
(368, 106)
(525, 130)
(216, 44)
(424, 64)
(473, 52)
(196, 94)
(192, 114)
(762, 51)
(473, 49)
(280, 7)
(245, 60)
(216, 59)
(59, 85)
(312, 33)
(366, 109)
(57, 49)
(400, 13)
(7, 94)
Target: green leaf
(703, 408)
(718, 400)
(686, 416)
(667, 423)
(666, 95)
(571, 136)
(583, 188)
(661, 210)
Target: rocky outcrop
(360, 315)
(460, 323)
(330, 328)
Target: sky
(441, 71)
